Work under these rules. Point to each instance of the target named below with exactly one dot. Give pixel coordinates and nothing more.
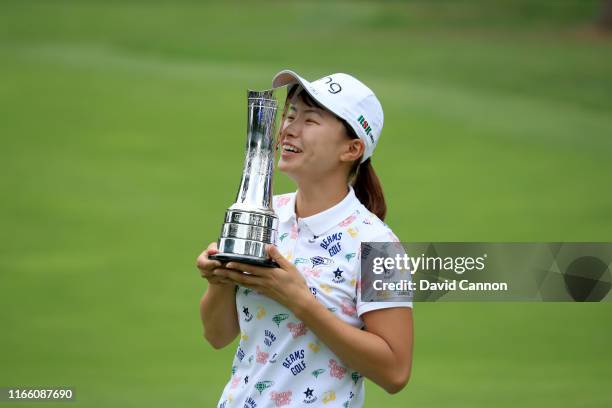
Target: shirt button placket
(298, 227)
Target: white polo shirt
(279, 361)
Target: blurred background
(122, 128)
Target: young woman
(306, 337)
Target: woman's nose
(290, 129)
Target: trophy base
(251, 260)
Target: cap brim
(288, 77)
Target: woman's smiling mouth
(289, 149)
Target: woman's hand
(218, 304)
(286, 284)
(208, 266)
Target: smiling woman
(362, 175)
(306, 336)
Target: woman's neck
(313, 198)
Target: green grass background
(122, 140)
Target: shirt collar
(325, 220)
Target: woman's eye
(311, 121)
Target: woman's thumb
(278, 257)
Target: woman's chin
(285, 166)
(288, 169)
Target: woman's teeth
(290, 148)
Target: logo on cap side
(364, 124)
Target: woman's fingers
(212, 248)
(238, 277)
(278, 257)
(211, 273)
(204, 263)
(215, 279)
(252, 269)
(221, 271)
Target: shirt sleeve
(391, 247)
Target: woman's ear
(354, 150)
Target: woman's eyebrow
(293, 108)
(317, 111)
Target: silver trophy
(250, 223)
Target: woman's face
(312, 142)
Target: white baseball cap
(348, 98)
